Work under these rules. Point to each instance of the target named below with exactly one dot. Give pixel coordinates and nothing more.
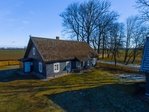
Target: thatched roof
(56, 50)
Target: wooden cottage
(145, 64)
(53, 57)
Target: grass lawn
(95, 91)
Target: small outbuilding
(54, 57)
(145, 64)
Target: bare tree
(136, 33)
(131, 22)
(71, 21)
(116, 39)
(87, 20)
(104, 27)
(143, 7)
(138, 40)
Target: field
(120, 57)
(10, 57)
(98, 90)
(6, 55)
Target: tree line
(94, 22)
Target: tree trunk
(103, 47)
(115, 60)
(98, 44)
(88, 41)
(134, 55)
(129, 58)
(126, 55)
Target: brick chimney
(57, 37)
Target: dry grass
(97, 90)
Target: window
(34, 51)
(40, 67)
(88, 63)
(78, 64)
(68, 66)
(83, 63)
(56, 67)
(94, 60)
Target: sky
(21, 18)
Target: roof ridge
(56, 39)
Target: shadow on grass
(12, 75)
(108, 98)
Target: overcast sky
(21, 18)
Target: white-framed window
(56, 67)
(34, 51)
(40, 67)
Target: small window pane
(40, 67)
(56, 67)
(34, 51)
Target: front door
(27, 66)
